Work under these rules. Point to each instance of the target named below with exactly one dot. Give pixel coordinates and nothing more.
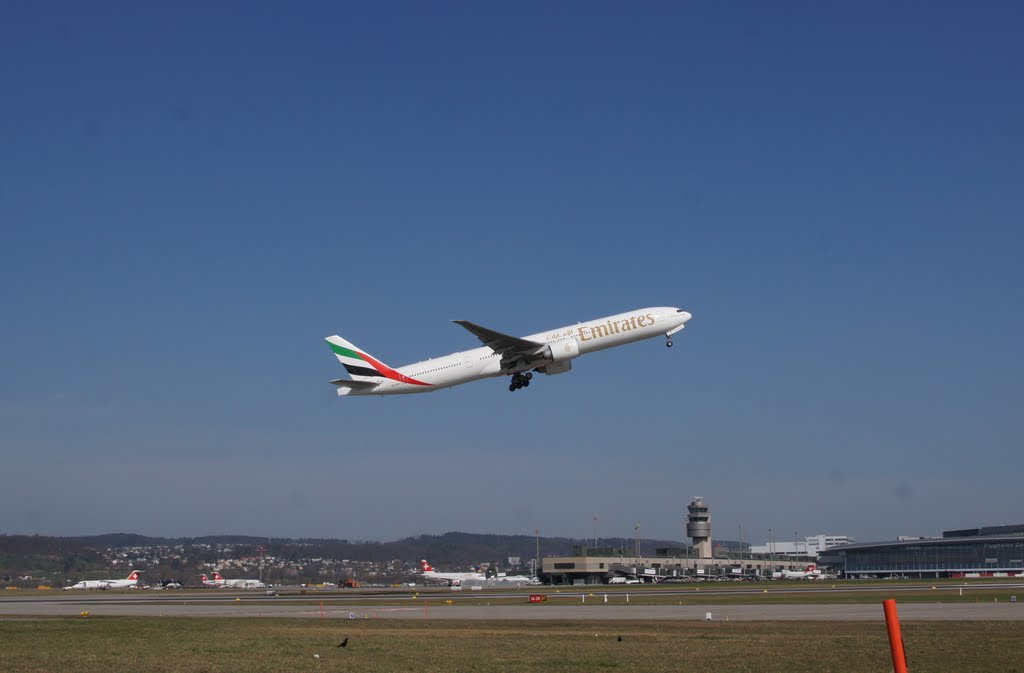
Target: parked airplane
(503, 355)
(451, 579)
(811, 572)
(222, 583)
(512, 579)
(130, 581)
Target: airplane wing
(501, 343)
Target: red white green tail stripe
(364, 367)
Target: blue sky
(193, 195)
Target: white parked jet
(512, 579)
(811, 572)
(451, 579)
(503, 355)
(130, 581)
(222, 583)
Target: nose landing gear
(520, 380)
(668, 341)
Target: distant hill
(453, 549)
(116, 540)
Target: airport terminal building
(670, 564)
(810, 546)
(993, 551)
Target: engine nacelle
(562, 350)
(556, 368)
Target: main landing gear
(520, 381)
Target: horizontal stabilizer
(355, 385)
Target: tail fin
(134, 575)
(216, 576)
(204, 579)
(359, 365)
(366, 371)
(427, 568)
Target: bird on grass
(620, 639)
(344, 643)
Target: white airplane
(513, 579)
(503, 355)
(130, 581)
(811, 572)
(222, 583)
(451, 579)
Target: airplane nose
(685, 316)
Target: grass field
(214, 645)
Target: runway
(438, 609)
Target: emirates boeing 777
(503, 355)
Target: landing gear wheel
(520, 380)
(669, 343)
(511, 387)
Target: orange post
(892, 624)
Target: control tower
(698, 526)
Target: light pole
(686, 546)
(636, 535)
(536, 560)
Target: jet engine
(552, 358)
(562, 350)
(556, 368)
